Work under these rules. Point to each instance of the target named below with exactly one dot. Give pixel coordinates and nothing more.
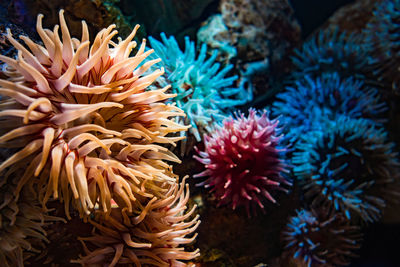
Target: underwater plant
(382, 40)
(303, 105)
(153, 238)
(201, 88)
(83, 119)
(349, 166)
(244, 161)
(321, 237)
(331, 51)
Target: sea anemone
(321, 237)
(311, 100)
(350, 166)
(382, 38)
(330, 51)
(152, 238)
(201, 88)
(244, 161)
(22, 222)
(83, 119)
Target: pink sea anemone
(243, 160)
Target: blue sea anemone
(321, 238)
(349, 166)
(331, 51)
(382, 35)
(201, 88)
(311, 100)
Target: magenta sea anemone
(244, 161)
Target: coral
(201, 88)
(260, 29)
(350, 166)
(382, 38)
(215, 34)
(330, 51)
(244, 161)
(309, 101)
(153, 237)
(256, 36)
(84, 120)
(321, 237)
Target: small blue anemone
(349, 166)
(331, 51)
(309, 101)
(201, 88)
(321, 237)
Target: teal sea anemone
(202, 89)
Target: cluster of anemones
(243, 160)
(84, 126)
(333, 117)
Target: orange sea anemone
(153, 238)
(81, 120)
(22, 224)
